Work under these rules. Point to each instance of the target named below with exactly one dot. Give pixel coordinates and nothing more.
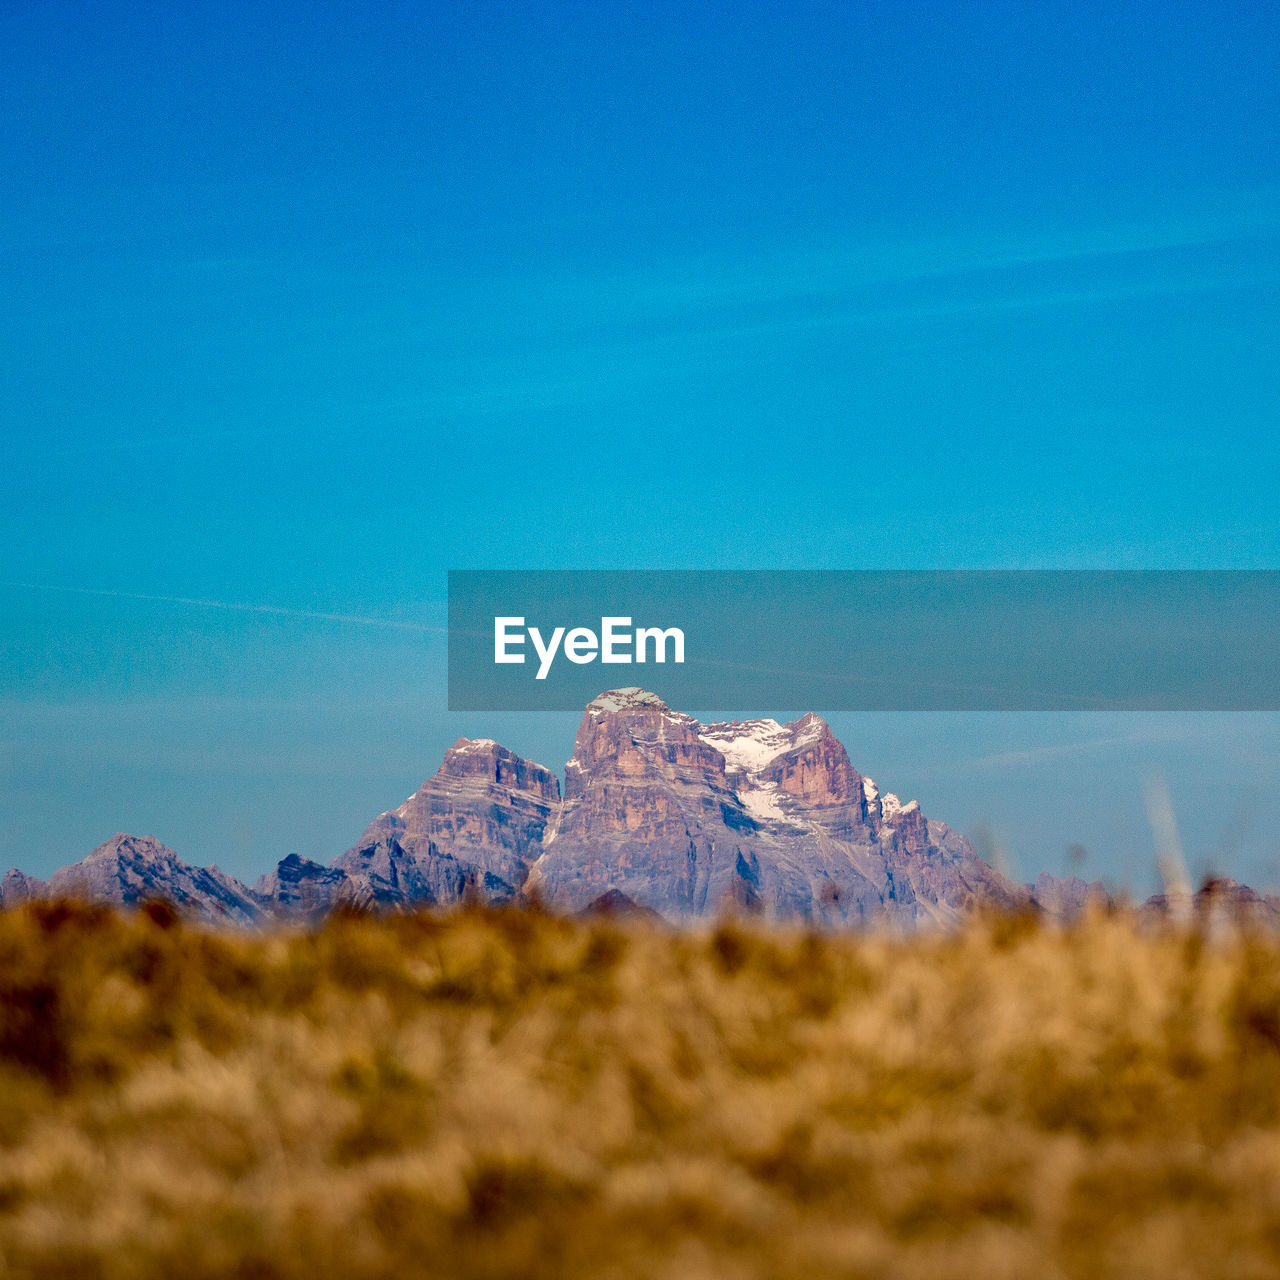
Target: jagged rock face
(482, 814)
(799, 771)
(128, 869)
(17, 888)
(686, 818)
(384, 873)
(301, 887)
(630, 734)
(647, 802)
(811, 765)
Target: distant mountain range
(659, 814)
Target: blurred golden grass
(508, 1093)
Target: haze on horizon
(301, 308)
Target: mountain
(660, 814)
(474, 826)
(1219, 899)
(128, 869)
(1066, 899)
(300, 887)
(470, 831)
(683, 818)
(17, 888)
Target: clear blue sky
(302, 305)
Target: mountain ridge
(658, 811)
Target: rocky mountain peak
(892, 808)
(129, 869)
(299, 886)
(681, 816)
(484, 761)
(631, 733)
(137, 850)
(17, 888)
(628, 701)
(1065, 899)
(803, 758)
(476, 821)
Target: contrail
(234, 605)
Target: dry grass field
(507, 1093)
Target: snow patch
(891, 807)
(625, 699)
(749, 745)
(762, 802)
(633, 699)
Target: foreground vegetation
(498, 1093)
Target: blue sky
(302, 306)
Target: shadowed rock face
(384, 873)
(301, 887)
(379, 874)
(128, 869)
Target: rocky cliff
(685, 818)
